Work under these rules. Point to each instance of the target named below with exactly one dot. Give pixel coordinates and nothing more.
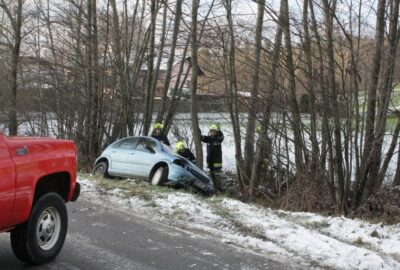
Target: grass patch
(359, 242)
(375, 234)
(129, 188)
(219, 211)
(239, 226)
(151, 204)
(132, 188)
(138, 192)
(317, 225)
(281, 214)
(177, 214)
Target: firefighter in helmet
(182, 150)
(214, 153)
(159, 135)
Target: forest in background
(319, 78)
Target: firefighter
(159, 135)
(214, 154)
(180, 149)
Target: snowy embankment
(303, 240)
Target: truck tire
(41, 238)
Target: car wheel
(159, 176)
(101, 169)
(41, 238)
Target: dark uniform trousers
(214, 157)
(215, 171)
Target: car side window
(128, 143)
(147, 145)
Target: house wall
(175, 71)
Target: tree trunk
(385, 94)
(195, 67)
(16, 22)
(120, 126)
(269, 96)
(296, 122)
(330, 9)
(148, 110)
(326, 142)
(232, 88)
(251, 120)
(396, 179)
(171, 58)
(155, 77)
(311, 90)
(176, 90)
(95, 140)
(367, 162)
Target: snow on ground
(302, 240)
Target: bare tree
(368, 163)
(15, 17)
(251, 121)
(193, 95)
(171, 59)
(262, 141)
(232, 89)
(149, 93)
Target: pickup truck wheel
(41, 238)
(101, 169)
(159, 176)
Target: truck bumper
(77, 192)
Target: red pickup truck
(37, 178)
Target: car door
(119, 155)
(142, 158)
(7, 184)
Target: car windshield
(167, 149)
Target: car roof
(139, 137)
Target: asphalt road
(105, 238)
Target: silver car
(148, 158)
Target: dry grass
(129, 188)
(306, 195)
(382, 207)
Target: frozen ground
(306, 240)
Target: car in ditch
(147, 158)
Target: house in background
(185, 78)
